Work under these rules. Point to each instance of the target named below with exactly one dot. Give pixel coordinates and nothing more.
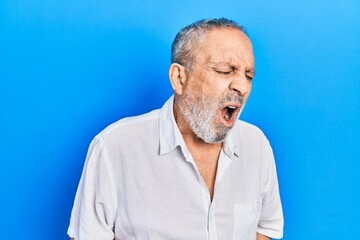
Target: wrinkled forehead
(219, 38)
(225, 45)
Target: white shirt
(140, 182)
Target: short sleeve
(271, 221)
(94, 210)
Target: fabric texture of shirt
(140, 182)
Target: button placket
(211, 222)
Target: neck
(205, 155)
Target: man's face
(219, 84)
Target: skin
(224, 62)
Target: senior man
(190, 170)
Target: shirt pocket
(246, 218)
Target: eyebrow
(215, 64)
(222, 65)
(230, 65)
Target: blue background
(70, 68)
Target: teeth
(229, 112)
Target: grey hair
(184, 46)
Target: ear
(177, 76)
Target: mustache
(232, 97)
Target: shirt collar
(170, 136)
(229, 143)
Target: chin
(220, 135)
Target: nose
(241, 85)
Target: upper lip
(232, 104)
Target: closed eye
(223, 72)
(249, 77)
(250, 74)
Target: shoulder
(249, 130)
(129, 128)
(248, 137)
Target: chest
(207, 168)
(164, 197)
(169, 201)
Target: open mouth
(229, 114)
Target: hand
(261, 237)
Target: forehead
(226, 46)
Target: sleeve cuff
(270, 233)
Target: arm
(271, 221)
(258, 237)
(93, 214)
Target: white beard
(201, 113)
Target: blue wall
(70, 68)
